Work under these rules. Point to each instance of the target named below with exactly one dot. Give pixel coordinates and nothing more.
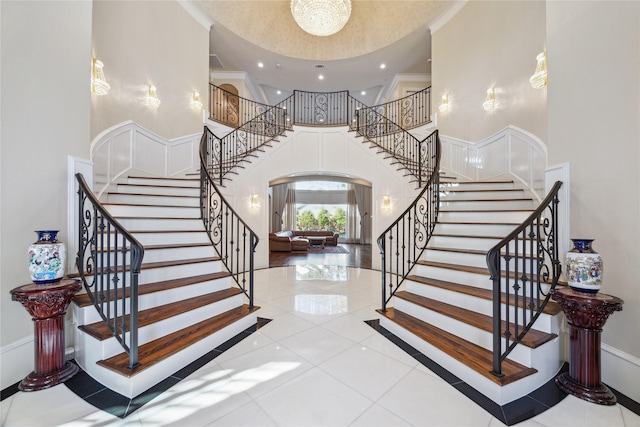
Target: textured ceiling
(395, 33)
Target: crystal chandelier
(321, 17)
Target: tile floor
(316, 364)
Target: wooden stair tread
(475, 357)
(552, 308)
(153, 186)
(162, 178)
(481, 191)
(532, 339)
(441, 210)
(178, 196)
(155, 351)
(515, 224)
(519, 199)
(101, 332)
(83, 300)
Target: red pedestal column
(586, 314)
(47, 304)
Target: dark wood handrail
(103, 248)
(519, 280)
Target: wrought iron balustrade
(233, 240)
(409, 112)
(524, 269)
(403, 242)
(109, 260)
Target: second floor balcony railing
(319, 109)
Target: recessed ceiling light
(260, 64)
(363, 93)
(278, 92)
(321, 77)
(383, 66)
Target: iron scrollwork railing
(394, 140)
(403, 242)
(409, 112)
(109, 260)
(233, 240)
(524, 269)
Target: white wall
(594, 124)
(149, 42)
(309, 151)
(45, 76)
(489, 43)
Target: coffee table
(317, 241)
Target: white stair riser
(179, 271)
(175, 254)
(477, 185)
(456, 276)
(148, 333)
(476, 260)
(133, 386)
(153, 200)
(87, 315)
(446, 195)
(154, 224)
(447, 215)
(474, 229)
(498, 394)
(156, 238)
(153, 211)
(178, 237)
(469, 205)
(463, 242)
(545, 323)
(180, 182)
(157, 190)
(521, 353)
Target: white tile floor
(316, 364)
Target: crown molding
(197, 13)
(456, 6)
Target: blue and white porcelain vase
(47, 258)
(584, 267)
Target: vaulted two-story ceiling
(394, 33)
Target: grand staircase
(443, 299)
(445, 307)
(187, 303)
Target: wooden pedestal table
(586, 314)
(47, 304)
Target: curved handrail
(394, 140)
(408, 112)
(109, 259)
(233, 240)
(528, 256)
(407, 237)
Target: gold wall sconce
(255, 201)
(444, 104)
(386, 203)
(539, 79)
(490, 102)
(196, 104)
(99, 84)
(151, 99)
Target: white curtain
(279, 194)
(289, 218)
(363, 200)
(353, 220)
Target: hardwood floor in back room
(357, 256)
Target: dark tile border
(514, 412)
(116, 404)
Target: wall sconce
(152, 98)
(490, 103)
(255, 201)
(99, 84)
(386, 203)
(539, 79)
(444, 104)
(195, 102)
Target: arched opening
(322, 202)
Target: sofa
(294, 240)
